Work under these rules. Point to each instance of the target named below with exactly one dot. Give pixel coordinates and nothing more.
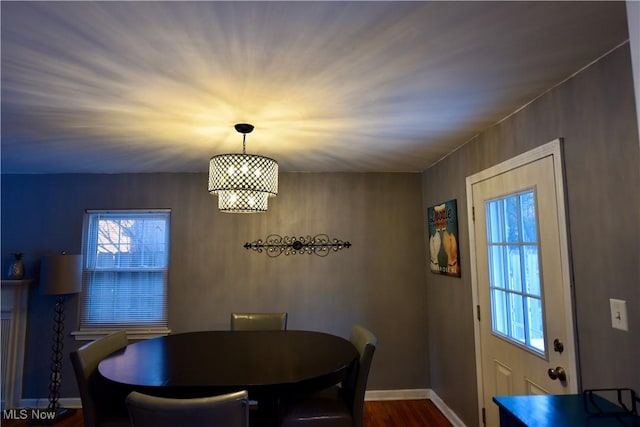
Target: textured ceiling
(111, 87)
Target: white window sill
(132, 334)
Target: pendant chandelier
(243, 182)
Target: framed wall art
(443, 238)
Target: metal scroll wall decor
(275, 245)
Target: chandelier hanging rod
(244, 129)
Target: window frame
(504, 242)
(159, 328)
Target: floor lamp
(60, 275)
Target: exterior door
(525, 327)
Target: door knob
(557, 374)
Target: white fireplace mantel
(14, 301)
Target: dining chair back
(102, 403)
(337, 406)
(259, 321)
(227, 410)
(355, 385)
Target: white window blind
(126, 258)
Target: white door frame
(553, 149)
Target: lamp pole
(60, 275)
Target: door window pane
(494, 222)
(500, 310)
(535, 323)
(531, 270)
(511, 226)
(496, 265)
(528, 210)
(516, 317)
(514, 270)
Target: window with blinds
(126, 259)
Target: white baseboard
(65, 402)
(371, 395)
(446, 411)
(408, 394)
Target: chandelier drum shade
(243, 182)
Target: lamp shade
(61, 274)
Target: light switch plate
(619, 314)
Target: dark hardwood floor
(403, 413)
(385, 413)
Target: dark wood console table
(555, 411)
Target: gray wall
(595, 114)
(379, 282)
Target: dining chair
(259, 321)
(226, 410)
(336, 406)
(103, 404)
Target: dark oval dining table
(269, 364)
